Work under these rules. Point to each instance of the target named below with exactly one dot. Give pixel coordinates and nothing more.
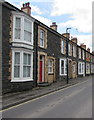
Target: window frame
(21, 78)
(62, 46)
(87, 71)
(79, 53)
(83, 52)
(65, 67)
(74, 51)
(42, 31)
(50, 66)
(69, 49)
(82, 65)
(22, 29)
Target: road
(71, 102)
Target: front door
(41, 77)
(41, 71)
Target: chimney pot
(26, 8)
(53, 23)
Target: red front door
(41, 71)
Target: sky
(74, 14)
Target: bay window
(63, 67)
(22, 29)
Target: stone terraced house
(33, 53)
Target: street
(72, 102)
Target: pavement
(12, 99)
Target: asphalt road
(71, 102)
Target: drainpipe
(67, 54)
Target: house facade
(34, 53)
(17, 49)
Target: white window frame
(50, 66)
(22, 29)
(87, 70)
(74, 51)
(81, 64)
(80, 53)
(65, 67)
(69, 48)
(42, 31)
(21, 78)
(92, 68)
(83, 55)
(62, 46)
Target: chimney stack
(83, 46)
(88, 49)
(67, 35)
(74, 40)
(26, 8)
(53, 26)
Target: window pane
(27, 25)
(17, 33)
(18, 22)
(42, 34)
(41, 42)
(27, 30)
(27, 65)
(41, 38)
(62, 46)
(16, 71)
(24, 71)
(25, 59)
(27, 36)
(29, 59)
(28, 71)
(62, 70)
(62, 63)
(50, 63)
(17, 58)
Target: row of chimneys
(27, 9)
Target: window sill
(22, 42)
(63, 74)
(23, 80)
(42, 47)
(50, 73)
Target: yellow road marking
(62, 89)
